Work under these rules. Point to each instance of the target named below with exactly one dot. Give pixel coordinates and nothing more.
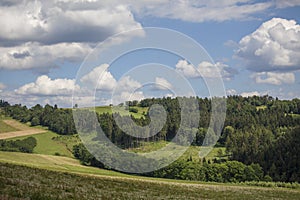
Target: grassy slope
(50, 143)
(193, 151)
(4, 128)
(20, 181)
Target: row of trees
(226, 171)
(58, 120)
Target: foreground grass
(57, 163)
(26, 182)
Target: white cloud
(250, 94)
(126, 83)
(231, 92)
(205, 69)
(2, 86)
(127, 89)
(200, 10)
(216, 70)
(289, 3)
(162, 84)
(186, 69)
(274, 78)
(113, 91)
(41, 34)
(44, 86)
(51, 22)
(100, 77)
(34, 55)
(274, 46)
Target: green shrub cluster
(26, 145)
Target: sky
(66, 51)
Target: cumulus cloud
(50, 22)
(2, 86)
(33, 55)
(42, 34)
(101, 78)
(186, 69)
(162, 84)
(126, 83)
(205, 69)
(231, 92)
(127, 89)
(274, 78)
(44, 86)
(274, 46)
(250, 94)
(109, 89)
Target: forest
(261, 135)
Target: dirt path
(24, 130)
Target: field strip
(24, 130)
(70, 165)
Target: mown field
(50, 143)
(34, 183)
(191, 153)
(4, 127)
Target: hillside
(52, 177)
(259, 144)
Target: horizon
(138, 101)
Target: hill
(52, 177)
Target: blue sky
(254, 46)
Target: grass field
(108, 109)
(50, 143)
(21, 129)
(192, 151)
(4, 127)
(58, 163)
(69, 180)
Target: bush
(134, 110)
(26, 145)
